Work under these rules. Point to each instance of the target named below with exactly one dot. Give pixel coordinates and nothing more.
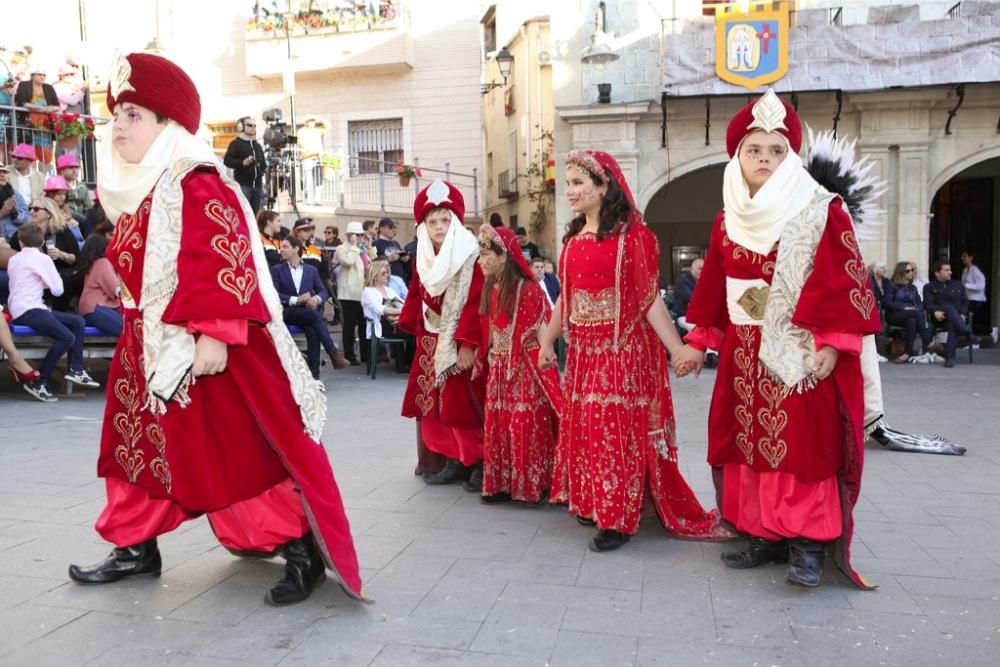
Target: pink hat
(25, 151)
(55, 184)
(66, 68)
(67, 160)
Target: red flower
(89, 122)
(58, 127)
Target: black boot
(806, 567)
(757, 552)
(608, 540)
(585, 521)
(304, 571)
(453, 471)
(495, 498)
(139, 559)
(475, 482)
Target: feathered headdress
(832, 163)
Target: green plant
(407, 170)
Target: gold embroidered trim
(587, 307)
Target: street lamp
(505, 61)
(598, 52)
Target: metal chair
(373, 345)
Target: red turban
(439, 194)
(740, 125)
(157, 84)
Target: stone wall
(894, 48)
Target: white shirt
(296, 272)
(975, 283)
(23, 185)
(372, 303)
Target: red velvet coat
(460, 401)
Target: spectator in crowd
(245, 157)
(71, 89)
(370, 234)
(303, 296)
(95, 217)
(57, 189)
(496, 220)
(353, 260)
(7, 88)
(528, 249)
(269, 224)
(331, 236)
(78, 196)
(25, 178)
(382, 306)
(60, 244)
(100, 298)
(31, 273)
(946, 302)
(918, 282)
(548, 281)
(24, 374)
(975, 290)
(876, 276)
(903, 308)
(684, 289)
(13, 207)
(312, 254)
(387, 246)
(40, 99)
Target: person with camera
(354, 260)
(246, 158)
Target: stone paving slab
(459, 583)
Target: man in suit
(548, 281)
(302, 294)
(947, 304)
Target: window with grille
(375, 145)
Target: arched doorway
(681, 215)
(966, 216)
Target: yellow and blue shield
(751, 46)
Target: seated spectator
(99, 301)
(78, 197)
(269, 224)
(302, 294)
(13, 207)
(60, 244)
(683, 290)
(71, 89)
(24, 374)
(7, 87)
(946, 302)
(903, 308)
(25, 178)
(31, 273)
(382, 306)
(57, 189)
(876, 276)
(95, 217)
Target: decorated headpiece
(155, 83)
(439, 194)
(504, 240)
(600, 164)
(768, 113)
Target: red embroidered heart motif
(132, 463)
(863, 301)
(773, 453)
(746, 447)
(744, 417)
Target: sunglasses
(36, 209)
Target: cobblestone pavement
(457, 583)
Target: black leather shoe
(475, 482)
(453, 471)
(806, 567)
(495, 498)
(757, 552)
(585, 521)
(304, 572)
(608, 540)
(139, 559)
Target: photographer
(354, 260)
(388, 247)
(246, 158)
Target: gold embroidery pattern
(743, 384)
(503, 339)
(773, 420)
(127, 236)
(158, 466)
(739, 252)
(238, 279)
(861, 297)
(589, 307)
(127, 424)
(754, 300)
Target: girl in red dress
(616, 436)
(522, 402)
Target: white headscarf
(122, 186)
(756, 222)
(437, 270)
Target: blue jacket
(901, 297)
(551, 284)
(16, 218)
(283, 283)
(937, 295)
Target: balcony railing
(507, 184)
(366, 184)
(16, 128)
